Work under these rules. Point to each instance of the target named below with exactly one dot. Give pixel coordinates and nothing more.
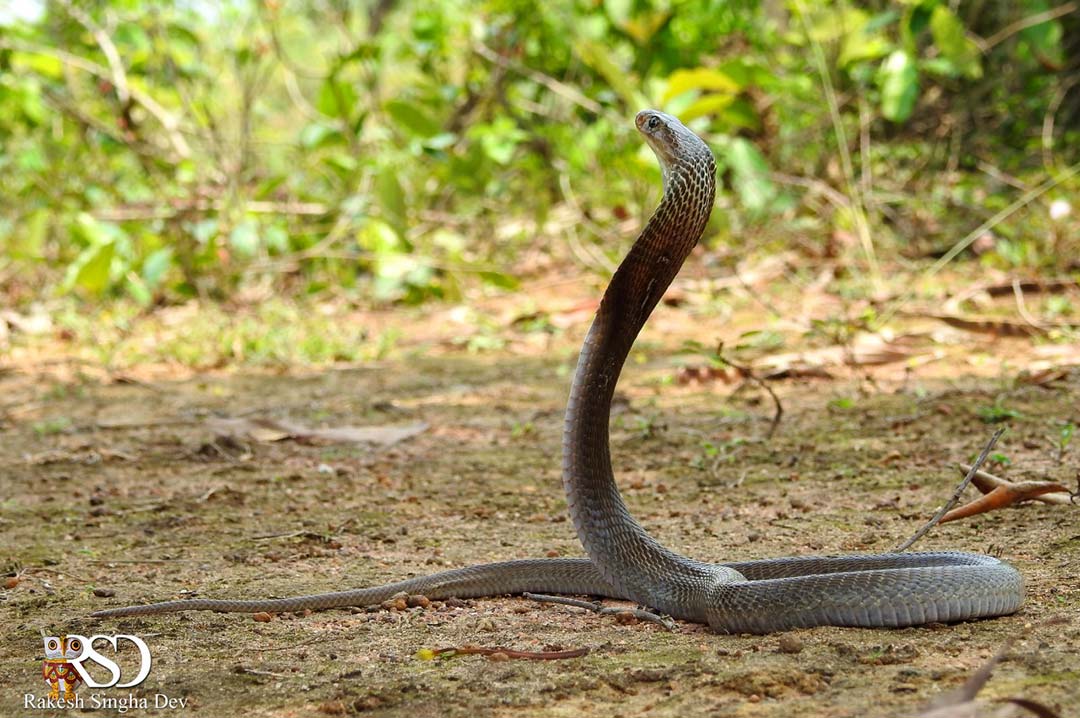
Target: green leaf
(899, 82)
(862, 45)
(740, 115)
(391, 198)
(1044, 39)
(91, 269)
(43, 65)
(500, 280)
(701, 78)
(951, 38)
(750, 174)
(598, 57)
(317, 135)
(915, 20)
(155, 266)
(412, 118)
(244, 239)
(336, 99)
(499, 139)
(707, 105)
(379, 238)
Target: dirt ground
(115, 483)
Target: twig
(956, 494)
(144, 212)
(749, 375)
(559, 88)
(244, 670)
(638, 613)
(294, 534)
(108, 48)
(1050, 118)
(1021, 306)
(836, 199)
(508, 652)
(1024, 23)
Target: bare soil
(114, 482)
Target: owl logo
(57, 668)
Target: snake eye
(654, 122)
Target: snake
(623, 561)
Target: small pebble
(11, 582)
(417, 601)
(498, 657)
(626, 618)
(789, 644)
(395, 604)
(262, 617)
(104, 592)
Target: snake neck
(623, 552)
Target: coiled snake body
(624, 561)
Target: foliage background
(397, 151)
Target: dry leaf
(1002, 496)
(270, 430)
(987, 482)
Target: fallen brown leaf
(1001, 496)
(270, 430)
(986, 482)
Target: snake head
(671, 141)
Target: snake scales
(624, 561)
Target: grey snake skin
(624, 561)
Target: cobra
(624, 561)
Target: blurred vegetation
(400, 150)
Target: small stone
(417, 601)
(11, 582)
(498, 657)
(262, 617)
(455, 602)
(552, 553)
(395, 604)
(789, 644)
(626, 618)
(104, 592)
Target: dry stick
(749, 375)
(509, 653)
(1024, 23)
(956, 494)
(663, 621)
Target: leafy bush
(404, 148)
